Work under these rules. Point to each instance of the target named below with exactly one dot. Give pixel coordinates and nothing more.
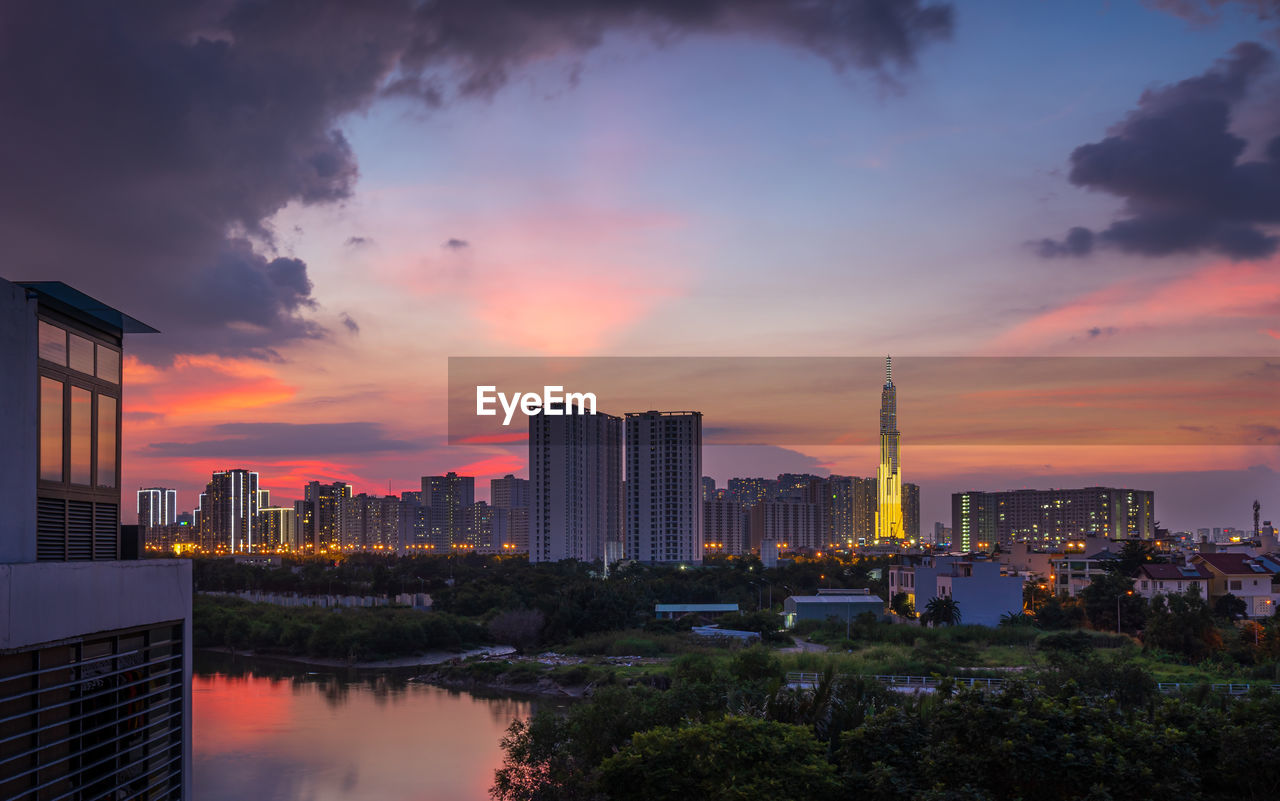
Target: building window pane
(108, 364)
(81, 434)
(106, 441)
(53, 344)
(50, 429)
(81, 354)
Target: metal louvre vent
(51, 529)
(106, 530)
(79, 530)
(96, 719)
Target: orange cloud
(201, 386)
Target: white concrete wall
(17, 424)
(43, 602)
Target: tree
(518, 627)
(941, 611)
(1059, 613)
(901, 604)
(1035, 594)
(1230, 607)
(1111, 593)
(1133, 555)
(733, 759)
(1181, 624)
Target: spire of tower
(888, 371)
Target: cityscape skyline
(545, 215)
(936, 351)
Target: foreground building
(95, 656)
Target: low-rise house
(844, 606)
(1160, 579)
(982, 590)
(1071, 574)
(1245, 577)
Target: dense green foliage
(351, 634)
(570, 596)
(1085, 731)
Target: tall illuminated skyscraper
(228, 513)
(889, 474)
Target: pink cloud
(1217, 291)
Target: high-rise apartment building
(158, 517)
(837, 502)
(447, 499)
(791, 525)
(227, 517)
(973, 521)
(889, 523)
(911, 511)
(512, 494)
(372, 523)
(708, 488)
(723, 527)
(157, 506)
(278, 529)
(1051, 517)
(664, 486)
(323, 516)
(575, 469)
(95, 657)
(750, 491)
(489, 528)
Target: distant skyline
(318, 211)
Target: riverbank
(420, 660)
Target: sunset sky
(319, 203)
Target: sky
(318, 204)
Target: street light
(1118, 598)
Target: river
(272, 731)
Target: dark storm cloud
(456, 244)
(145, 145)
(1178, 167)
(351, 325)
(358, 241)
(1078, 242)
(284, 440)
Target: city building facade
(575, 469)
(664, 486)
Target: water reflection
(277, 732)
